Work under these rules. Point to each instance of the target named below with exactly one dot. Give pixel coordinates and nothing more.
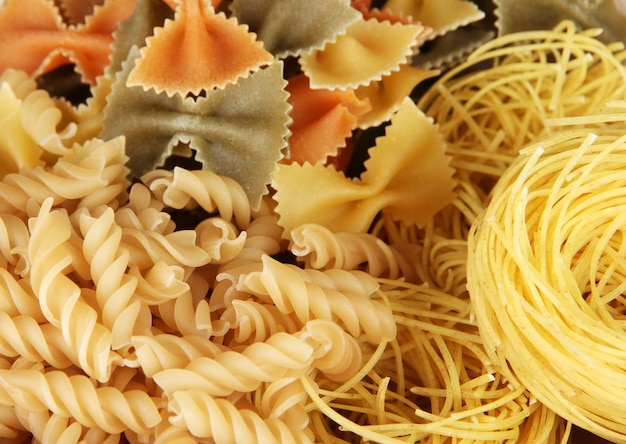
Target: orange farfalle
(35, 39)
(322, 120)
(198, 51)
(368, 51)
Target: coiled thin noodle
(446, 386)
(505, 95)
(546, 275)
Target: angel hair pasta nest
(546, 267)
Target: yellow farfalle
(367, 51)
(408, 175)
(386, 95)
(442, 16)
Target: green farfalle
(148, 15)
(239, 131)
(516, 16)
(293, 27)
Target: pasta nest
(546, 273)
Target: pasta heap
(148, 301)
(546, 274)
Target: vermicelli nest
(508, 92)
(546, 273)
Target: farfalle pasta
(442, 16)
(411, 185)
(366, 54)
(40, 41)
(224, 146)
(333, 114)
(197, 35)
(318, 24)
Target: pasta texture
(545, 272)
(259, 227)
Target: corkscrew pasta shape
(341, 299)
(188, 189)
(92, 174)
(61, 299)
(208, 417)
(282, 355)
(320, 248)
(76, 396)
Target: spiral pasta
(545, 273)
(188, 189)
(61, 299)
(60, 429)
(263, 237)
(251, 321)
(164, 351)
(320, 248)
(75, 396)
(90, 175)
(115, 289)
(208, 417)
(347, 299)
(282, 355)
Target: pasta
(388, 183)
(365, 53)
(304, 293)
(229, 424)
(320, 248)
(318, 111)
(226, 50)
(226, 146)
(250, 232)
(520, 94)
(545, 253)
(281, 355)
(318, 24)
(447, 386)
(24, 48)
(441, 16)
(75, 396)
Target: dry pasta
(320, 248)
(445, 388)
(488, 115)
(546, 275)
(193, 307)
(303, 293)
